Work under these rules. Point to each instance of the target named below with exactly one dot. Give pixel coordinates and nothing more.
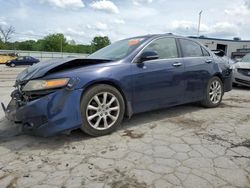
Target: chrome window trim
(179, 53)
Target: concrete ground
(184, 146)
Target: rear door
(25, 61)
(198, 64)
(19, 61)
(158, 83)
(29, 60)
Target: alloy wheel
(215, 92)
(103, 111)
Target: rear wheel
(214, 93)
(102, 109)
(12, 65)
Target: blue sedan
(24, 60)
(127, 77)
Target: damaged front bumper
(49, 115)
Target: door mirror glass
(149, 55)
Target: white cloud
(101, 26)
(25, 38)
(105, 5)
(3, 21)
(219, 29)
(241, 10)
(66, 3)
(247, 3)
(119, 21)
(140, 2)
(223, 29)
(184, 27)
(74, 32)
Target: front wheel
(214, 93)
(12, 65)
(102, 109)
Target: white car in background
(241, 72)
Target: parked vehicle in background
(241, 72)
(127, 77)
(4, 57)
(24, 60)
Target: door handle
(209, 61)
(177, 64)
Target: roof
(209, 38)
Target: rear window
(190, 48)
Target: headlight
(35, 85)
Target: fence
(44, 55)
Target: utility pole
(199, 24)
(61, 48)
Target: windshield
(246, 58)
(117, 50)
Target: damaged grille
(32, 95)
(22, 97)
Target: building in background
(235, 48)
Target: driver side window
(165, 47)
(20, 58)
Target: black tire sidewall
(207, 102)
(87, 96)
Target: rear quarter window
(190, 48)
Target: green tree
(27, 45)
(99, 42)
(1, 44)
(54, 43)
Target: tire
(107, 116)
(210, 101)
(12, 65)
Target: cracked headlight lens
(35, 85)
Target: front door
(158, 83)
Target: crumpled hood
(41, 69)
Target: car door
(198, 65)
(19, 61)
(158, 83)
(29, 60)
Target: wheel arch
(128, 105)
(220, 76)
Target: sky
(81, 20)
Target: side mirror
(149, 55)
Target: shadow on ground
(10, 133)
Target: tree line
(51, 43)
